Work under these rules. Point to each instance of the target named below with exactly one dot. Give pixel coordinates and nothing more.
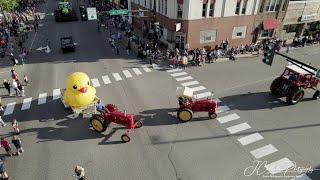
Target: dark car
(67, 44)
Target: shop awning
(179, 1)
(268, 24)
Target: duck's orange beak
(83, 90)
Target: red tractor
(293, 81)
(188, 106)
(110, 114)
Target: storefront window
(179, 11)
(266, 33)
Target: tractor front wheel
(125, 138)
(274, 88)
(316, 95)
(97, 122)
(295, 96)
(185, 114)
(139, 123)
(212, 115)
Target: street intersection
(251, 125)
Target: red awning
(205, 1)
(269, 24)
(180, 1)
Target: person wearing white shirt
(15, 87)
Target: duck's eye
(75, 87)
(88, 83)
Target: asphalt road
(55, 140)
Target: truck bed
(86, 110)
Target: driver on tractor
(100, 107)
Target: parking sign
(92, 13)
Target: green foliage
(8, 5)
(318, 27)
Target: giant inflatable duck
(79, 92)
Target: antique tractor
(187, 106)
(64, 12)
(293, 81)
(99, 122)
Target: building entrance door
(180, 41)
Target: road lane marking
(279, 166)
(228, 118)
(302, 177)
(189, 83)
(199, 88)
(56, 94)
(145, 68)
(250, 139)
(221, 109)
(263, 151)
(178, 74)
(95, 82)
(26, 103)
(137, 71)
(216, 100)
(127, 74)
(106, 79)
(184, 78)
(202, 95)
(42, 98)
(156, 66)
(117, 76)
(9, 108)
(173, 70)
(238, 128)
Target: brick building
(200, 23)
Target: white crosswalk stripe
(199, 88)
(184, 78)
(302, 177)
(95, 82)
(117, 76)
(202, 95)
(250, 139)
(145, 68)
(173, 70)
(156, 66)
(9, 108)
(106, 79)
(42, 98)
(279, 166)
(189, 83)
(263, 151)
(221, 109)
(56, 94)
(137, 71)
(178, 74)
(238, 128)
(228, 118)
(127, 74)
(26, 103)
(216, 100)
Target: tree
(8, 6)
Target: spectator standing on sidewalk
(3, 174)
(14, 61)
(3, 124)
(6, 85)
(17, 143)
(6, 145)
(128, 48)
(25, 79)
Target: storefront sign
(308, 17)
(178, 26)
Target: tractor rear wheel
(139, 123)
(125, 138)
(212, 115)
(295, 96)
(274, 88)
(185, 114)
(97, 122)
(316, 95)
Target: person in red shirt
(6, 145)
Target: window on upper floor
(262, 7)
(244, 7)
(238, 7)
(273, 5)
(204, 10)
(161, 7)
(145, 3)
(165, 7)
(179, 11)
(211, 9)
(284, 6)
(151, 7)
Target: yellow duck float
(79, 92)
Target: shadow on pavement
(106, 141)
(158, 117)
